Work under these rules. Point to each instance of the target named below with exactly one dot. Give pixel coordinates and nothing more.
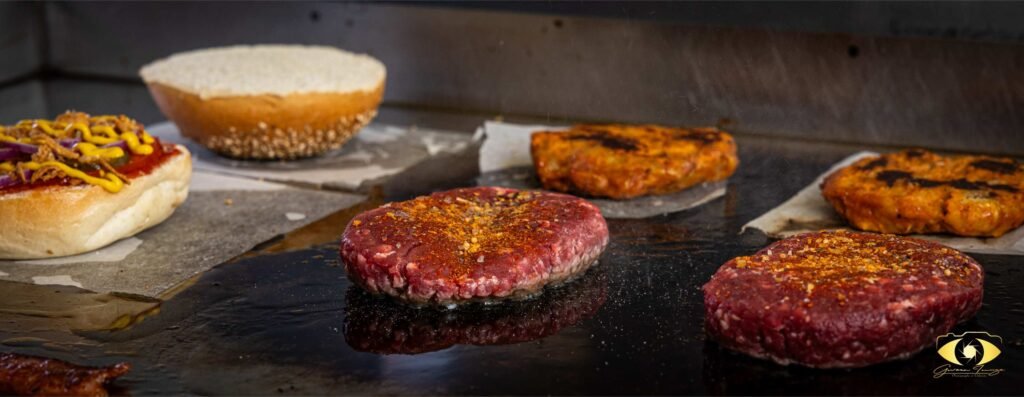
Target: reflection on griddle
(379, 325)
(726, 372)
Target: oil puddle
(26, 307)
(293, 322)
(57, 308)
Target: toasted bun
(268, 101)
(69, 220)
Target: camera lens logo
(968, 354)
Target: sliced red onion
(69, 143)
(7, 180)
(9, 154)
(22, 147)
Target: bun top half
(278, 70)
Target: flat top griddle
(291, 323)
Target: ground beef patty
(472, 244)
(916, 191)
(841, 299)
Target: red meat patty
(840, 299)
(472, 244)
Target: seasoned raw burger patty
(472, 244)
(917, 191)
(841, 299)
(627, 161)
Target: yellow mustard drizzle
(107, 181)
(42, 124)
(99, 135)
(88, 136)
(135, 146)
(141, 144)
(91, 150)
(8, 138)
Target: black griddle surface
(293, 324)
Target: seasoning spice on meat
(848, 299)
(474, 243)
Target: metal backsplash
(852, 87)
(22, 37)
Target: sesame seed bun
(268, 101)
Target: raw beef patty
(840, 299)
(472, 244)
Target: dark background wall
(940, 75)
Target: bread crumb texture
(266, 70)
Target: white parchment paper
(376, 152)
(808, 211)
(223, 217)
(505, 161)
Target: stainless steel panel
(101, 97)
(943, 94)
(22, 101)
(21, 39)
(967, 20)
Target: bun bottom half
(59, 221)
(267, 127)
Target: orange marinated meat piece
(917, 191)
(36, 376)
(628, 161)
